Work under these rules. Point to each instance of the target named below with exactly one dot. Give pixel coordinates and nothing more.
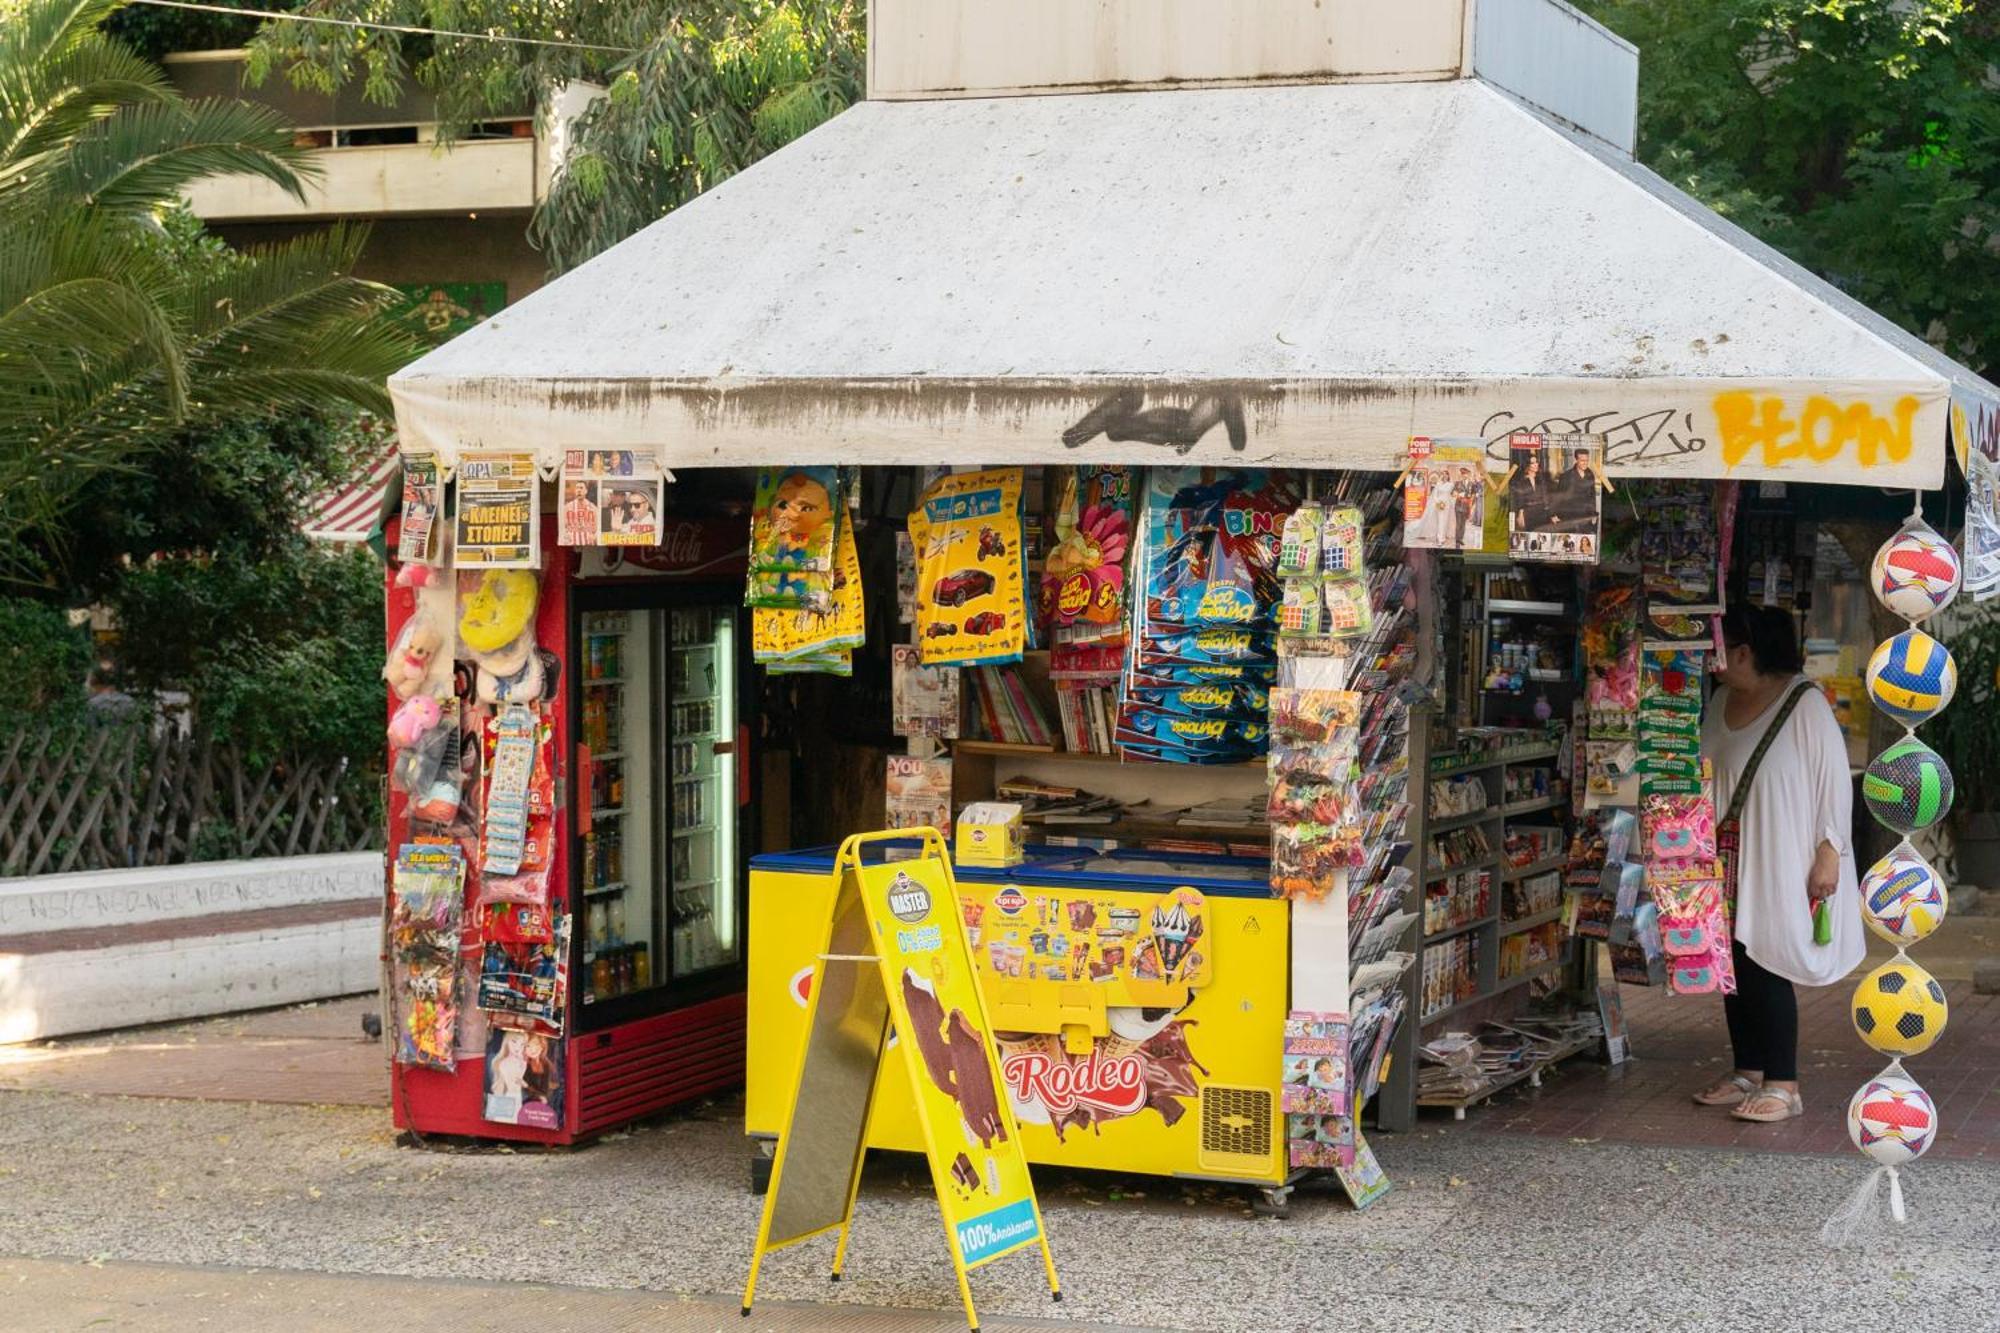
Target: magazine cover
(1556, 494)
(926, 699)
(524, 1079)
(1444, 495)
(919, 793)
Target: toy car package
(972, 602)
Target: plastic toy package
(425, 923)
(797, 639)
(527, 980)
(793, 527)
(972, 602)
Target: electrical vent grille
(1236, 1130)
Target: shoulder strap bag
(1729, 831)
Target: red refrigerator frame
(658, 1048)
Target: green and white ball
(1908, 787)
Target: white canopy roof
(1337, 267)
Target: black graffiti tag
(1629, 439)
(1123, 416)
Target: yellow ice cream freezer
(1139, 1003)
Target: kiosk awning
(1296, 275)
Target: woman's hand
(1824, 877)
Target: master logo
(909, 900)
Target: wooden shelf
(1011, 747)
(1533, 868)
(1533, 807)
(1003, 748)
(1456, 931)
(1530, 922)
(1451, 822)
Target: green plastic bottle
(1823, 921)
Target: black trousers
(1763, 1019)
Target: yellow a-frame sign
(896, 952)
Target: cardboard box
(990, 833)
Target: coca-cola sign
(689, 547)
(1113, 1085)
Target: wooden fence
(108, 798)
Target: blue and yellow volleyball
(1902, 898)
(1911, 677)
(1908, 786)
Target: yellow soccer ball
(1899, 1009)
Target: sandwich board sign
(896, 953)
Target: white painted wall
(222, 970)
(1558, 61)
(384, 181)
(946, 48)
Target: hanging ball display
(1902, 898)
(1908, 786)
(1911, 677)
(1899, 1008)
(1892, 1120)
(1916, 572)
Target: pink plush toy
(414, 575)
(418, 715)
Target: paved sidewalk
(51, 1296)
(310, 1054)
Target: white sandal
(1731, 1091)
(1790, 1104)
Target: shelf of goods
(1529, 1073)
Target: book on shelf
(1008, 710)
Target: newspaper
(498, 522)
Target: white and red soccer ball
(1892, 1120)
(1916, 572)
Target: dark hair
(1770, 635)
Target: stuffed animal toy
(496, 612)
(419, 713)
(513, 675)
(413, 575)
(410, 660)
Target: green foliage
(117, 332)
(43, 659)
(1861, 138)
(697, 92)
(282, 654)
(1967, 733)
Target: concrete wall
(111, 949)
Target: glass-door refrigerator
(657, 936)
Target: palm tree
(109, 340)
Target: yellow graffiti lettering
(1820, 433)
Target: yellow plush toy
(494, 614)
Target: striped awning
(355, 510)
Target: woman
(1793, 850)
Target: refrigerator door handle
(585, 782)
(742, 750)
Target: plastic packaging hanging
(1916, 573)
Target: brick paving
(1681, 1044)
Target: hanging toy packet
(424, 926)
(972, 602)
(797, 516)
(815, 640)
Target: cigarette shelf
(1533, 868)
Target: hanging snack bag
(798, 515)
(972, 604)
(1082, 592)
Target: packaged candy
(1082, 590)
(1203, 700)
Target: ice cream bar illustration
(954, 1055)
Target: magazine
(610, 497)
(415, 539)
(919, 793)
(926, 697)
(1556, 494)
(524, 1078)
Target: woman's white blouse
(1801, 794)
